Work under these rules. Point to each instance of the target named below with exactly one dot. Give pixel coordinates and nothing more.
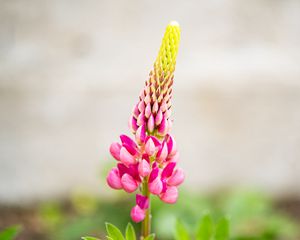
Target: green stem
(146, 224)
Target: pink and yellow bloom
(148, 161)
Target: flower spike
(148, 161)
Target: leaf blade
(114, 232)
(205, 228)
(150, 237)
(222, 229)
(89, 238)
(130, 232)
(181, 232)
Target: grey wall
(70, 72)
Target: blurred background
(71, 71)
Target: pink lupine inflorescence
(149, 159)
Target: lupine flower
(149, 161)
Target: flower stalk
(146, 224)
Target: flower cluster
(149, 162)
(153, 161)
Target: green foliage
(63, 220)
(252, 217)
(181, 232)
(130, 232)
(222, 229)
(207, 230)
(150, 237)
(10, 233)
(114, 232)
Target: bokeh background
(70, 72)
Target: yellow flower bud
(164, 65)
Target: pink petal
(122, 169)
(137, 214)
(146, 157)
(156, 186)
(113, 179)
(136, 111)
(163, 127)
(177, 178)
(163, 106)
(141, 106)
(168, 170)
(148, 110)
(141, 119)
(126, 157)
(170, 196)
(147, 90)
(128, 183)
(132, 170)
(115, 150)
(142, 201)
(128, 141)
(130, 149)
(168, 113)
(167, 97)
(132, 124)
(155, 107)
(172, 148)
(154, 173)
(150, 147)
(147, 99)
(157, 143)
(140, 135)
(158, 118)
(144, 168)
(150, 124)
(165, 186)
(142, 95)
(174, 158)
(162, 153)
(154, 166)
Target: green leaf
(10, 233)
(113, 232)
(206, 228)
(222, 230)
(89, 238)
(181, 232)
(150, 237)
(130, 233)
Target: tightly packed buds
(148, 161)
(153, 110)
